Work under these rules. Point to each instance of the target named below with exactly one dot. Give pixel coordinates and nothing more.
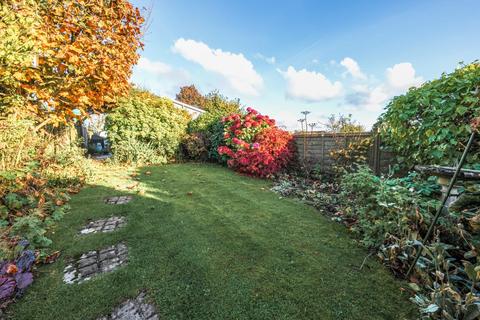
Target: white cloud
(353, 68)
(269, 60)
(233, 67)
(402, 76)
(310, 86)
(159, 77)
(399, 79)
(156, 67)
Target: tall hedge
(144, 128)
(431, 124)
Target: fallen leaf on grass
(52, 257)
(133, 185)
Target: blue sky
(283, 57)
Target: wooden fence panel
(314, 148)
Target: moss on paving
(207, 243)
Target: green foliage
(132, 151)
(205, 121)
(145, 128)
(209, 125)
(383, 207)
(32, 229)
(216, 139)
(218, 103)
(392, 216)
(354, 155)
(194, 148)
(37, 169)
(431, 124)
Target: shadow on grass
(208, 244)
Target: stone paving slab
(118, 199)
(103, 225)
(133, 309)
(93, 263)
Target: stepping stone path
(118, 200)
(93, 263)
(103, 225)
(133, 309)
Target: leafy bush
(383, 207)
(38, 168)
(35, 178)
(392, 216)
(354, 155)
(132, 151)
(194, 147)
(430, 124)
(209, 125)
(144, 128)
(253, 145)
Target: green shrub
(384, 206)
(393, 215)
(209, 127)
(216, 139)
(37, 169)
(430, 124)
(194, 147)
(132, 151)
(145, 128)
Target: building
(193, 111)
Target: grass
(207, 243)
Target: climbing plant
(430, 124)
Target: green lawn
(207, 243)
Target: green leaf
(431, 308)
(415, 287)
(470, 270)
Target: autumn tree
(60, 60)
(190, 95)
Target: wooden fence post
(377, 155)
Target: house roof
(187, 106)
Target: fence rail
(316, 147)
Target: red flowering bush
(254, 145)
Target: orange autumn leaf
(80, 55)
